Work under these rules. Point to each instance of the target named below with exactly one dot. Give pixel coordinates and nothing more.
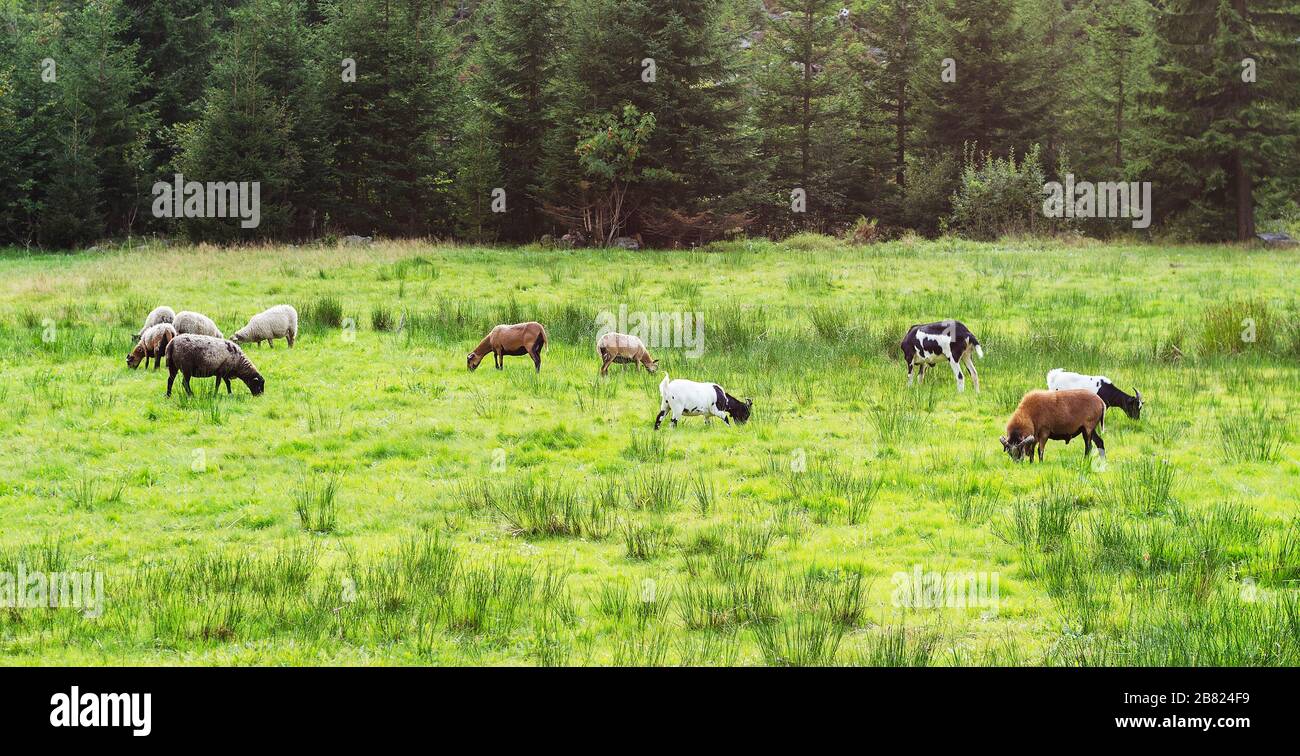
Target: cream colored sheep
(623, 348)
(279, 322)
(193, 322)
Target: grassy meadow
(380, 504)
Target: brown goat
(514, 340)
(153, 343)
(1054, 415)
(622, 348)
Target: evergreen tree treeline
(677, 120)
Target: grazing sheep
(514, 340)
(1100, 385)
(685, 397)
(153, 343)
(193, 322)
(924, 345)
(1054, 415)
(196, 356)
(163, 314)
(278, 322)
(622, 348)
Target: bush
(927, 196)
(998, 197)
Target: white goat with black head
(1064, 380)
(683, 397)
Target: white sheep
(163, 314)
(683, 397)
(279, 322)
(193, 322)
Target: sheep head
(136, 356)
(255, 382)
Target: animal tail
(543, 340)
(979, 350)
(663, 385)
(168, 352)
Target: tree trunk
(1245, 198)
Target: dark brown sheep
(1056, 416)
(514, 340)
(196, 356)
(153, 343)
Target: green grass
(380, 504)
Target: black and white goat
(683, 397)
(1063, 380)
(925, 345)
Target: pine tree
(176, 39)
(668, 58)
(1216, 134)
(980, 42)
(1119, 53)
(97, 180)
(805, 131)
(513, 68)
(246, 130)
(395, 129)
(893, 30)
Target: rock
(1277, 239)
(574, 239)
(354, 239)
(627, 242)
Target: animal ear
(749, 402)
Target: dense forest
(673, 122)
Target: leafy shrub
(997, 196)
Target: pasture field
(380, 504)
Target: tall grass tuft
(1251, 436)
(326, 312)
(315, 501)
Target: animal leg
(1041, 443)
(228, 391)
(909, 375)
(171, 378)
(185, 382)
(1101, 447)
(1087, 442)
(536, 354)
(604, 364)
(974, 376)
(660, 417)
(956, 372)
(270, 343)
(217, 388)
(920, 374)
